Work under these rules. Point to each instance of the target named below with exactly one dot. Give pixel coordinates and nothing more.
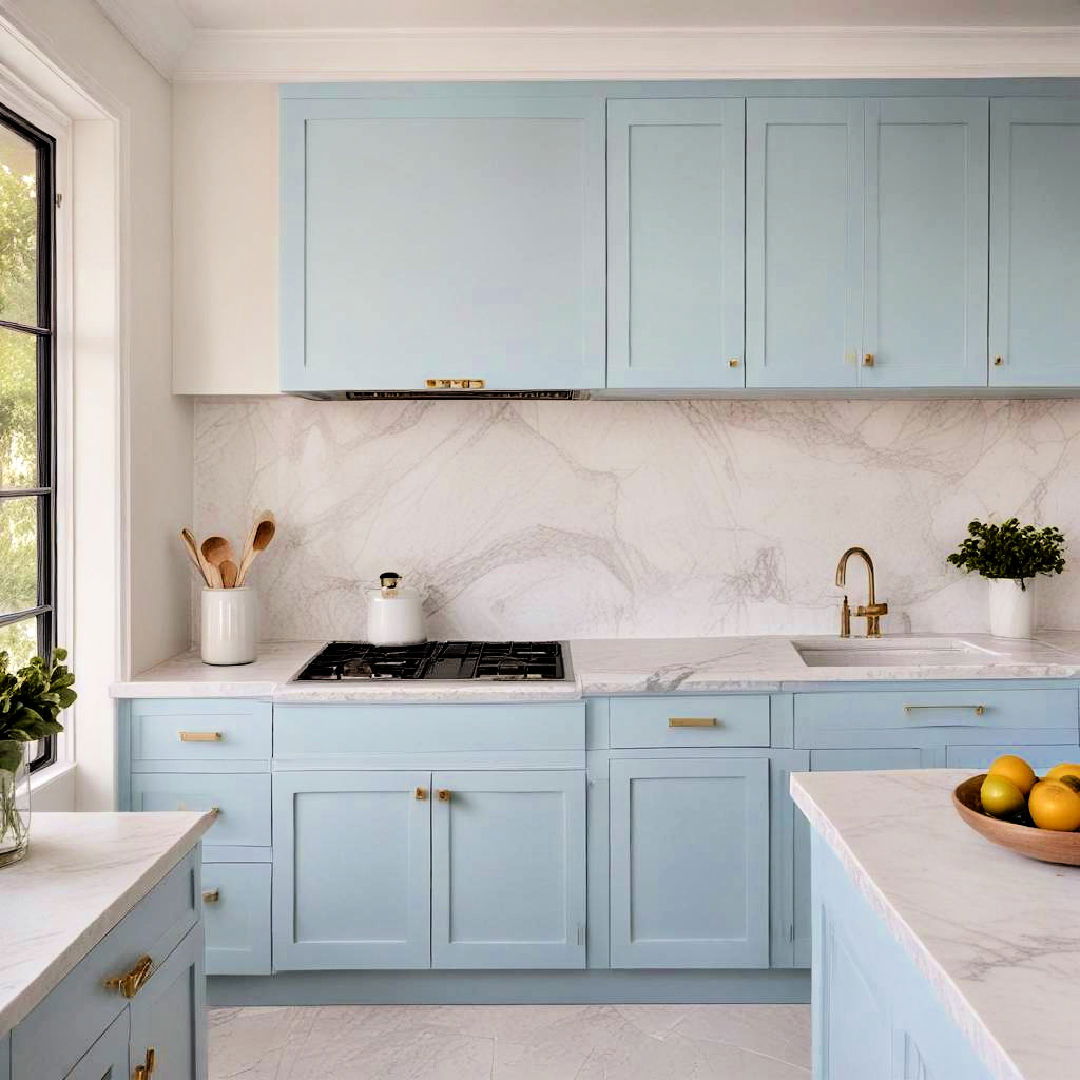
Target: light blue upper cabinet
(676, 211)
(508, 869)
(436, 237)
(690, 862)
(804, 176)
(926, 239)
(1034, 242)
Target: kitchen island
(936, 954)
(101, 949)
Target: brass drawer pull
(133, 981)
(692, 721)
(421, 794)
(977, 709)
(201, 736)
(444, 795)
(211, 896)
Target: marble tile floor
(512, 1042)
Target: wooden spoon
(262, 532)
(216, 550)
(187, 537)
(228, 573)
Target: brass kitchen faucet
(871, 610)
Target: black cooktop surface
(502, 660)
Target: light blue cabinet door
(108, 1058)
(168, 1016)
(676, 217)
(508, 869)
(926, 241)
(1038, 757)
(1034, 242)
(690, 862)
(804, 203)
(351, 876)
(442, 238)
(236, 913)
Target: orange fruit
(1055, 805)
(1015, 769)
(1064, 769)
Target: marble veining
(611, 519)
(624, 666)
(995, 934)
(83, 873)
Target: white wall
(155, 447)
(225, 176)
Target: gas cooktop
(499, 660)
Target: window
(27, 397)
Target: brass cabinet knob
(444, 795)
(998, 361)
(140, 1073)
(868, 360)
(733, 362)
(131, 982)
(421, 793)
(211, 896)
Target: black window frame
(45, 333)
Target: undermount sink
(891, 652)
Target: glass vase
(14, 805)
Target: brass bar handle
(151, 1061)
(140, 1073)
(130, 983)
(444, 795)
(211, 896)
(977, 709)
(201, 736)
(421, 794)
(692, 721)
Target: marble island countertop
(995, 934)
(82, 875)
(635, 666)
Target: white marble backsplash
(631, 519)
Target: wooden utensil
(216, 550)
(262, 532)
(187, 538)
(228, 573)
(1046, 845)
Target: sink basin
(891, 652)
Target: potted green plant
(31, 699)
(1011, 556)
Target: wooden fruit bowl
(1042, 844)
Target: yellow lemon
(1055, 805)
(1064, 769)
(1000, 796)
(1015, 769)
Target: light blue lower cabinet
(875, 1016)
(109, 1058)
(690, 862)
(236, 914)
(508, 869)
(352, 870)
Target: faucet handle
(871, 610)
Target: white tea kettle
(395, 615)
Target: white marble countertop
(625, 666)
(995, 934)
(82, 875)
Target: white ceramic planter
(228, 626)
(1012, 609)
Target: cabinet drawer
(838, 720)
(236, 917)
(199, 731)
(243, 800)
(56, 1034)
(682, 720)
(306, 731)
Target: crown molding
(159, 29)
(629, 53)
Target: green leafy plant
(1010, 550)
(31, 699)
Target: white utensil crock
(1012, 609)
(228, 626)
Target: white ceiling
(381, 14)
